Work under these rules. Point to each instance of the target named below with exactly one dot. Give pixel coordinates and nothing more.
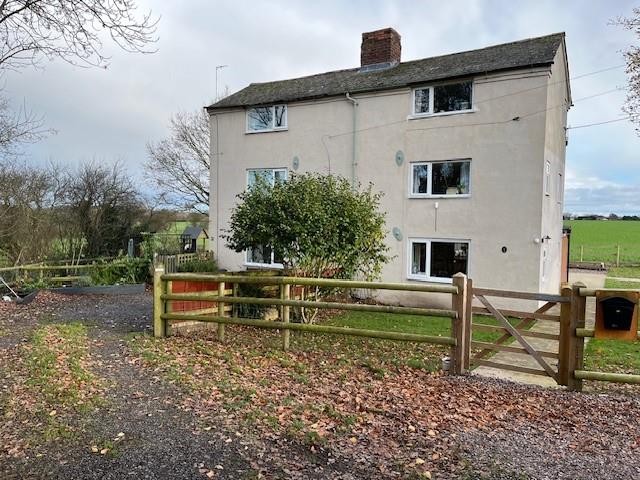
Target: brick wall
(380, 46)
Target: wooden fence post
(468, 325)
(286, 333)
(234, 307)
(159, 287)
(565, 341)
(618, 256)
(578, 318)
(581, 252)
(459, 304)
(221, 312)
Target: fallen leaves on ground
(405, 421)
(48, 383)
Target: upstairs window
(440, 178)
(267, 119)
(450, 97)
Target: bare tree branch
(31, 30)
(632, 56)
(18, 128)
(179, 165)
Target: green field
(599, 240)
(177, 227)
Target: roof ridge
(352, 69)
(306, 76)
(562, 34)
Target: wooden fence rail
(71, 273)
(513, 324)
(312, 282)
(164, 299)
(172, 262)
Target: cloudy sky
(112, 113)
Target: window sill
(429, 279)
(417, 116)
(425, 196)
(277, 266)
(271, 130)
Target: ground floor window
(269, 175)
(437, 260)
(264, 256)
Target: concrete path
(590, 279)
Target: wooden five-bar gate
(556, 352)
(550, 347)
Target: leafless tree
(31, 30)
(103, 205)
(18, 128)
(632, 56)
(72, 30)
(179, 165)
(27, 197)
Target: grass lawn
(623, 272)
(613, 356)
(599, 239)
(439, 326)
(385, 352)
(52, 388)
(611, 283)
(177, 227)
(627, 272)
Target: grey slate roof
(532, 52)
(194, 231)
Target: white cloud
(595, 195)
(113, 113)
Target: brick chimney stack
(381, 47)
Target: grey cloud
(113, 113)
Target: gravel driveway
(162, 437)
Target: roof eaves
(357, 91)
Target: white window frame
(426, 277)
(560, 187)
(430, 179)
(274, 170)
(547, 178)
(431, 89)
(273, 119)
(273, 264)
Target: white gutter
(354, 159)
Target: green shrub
(29, 285)
(199, 265)
(245, 310)
(125, 270)
(317, 225)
